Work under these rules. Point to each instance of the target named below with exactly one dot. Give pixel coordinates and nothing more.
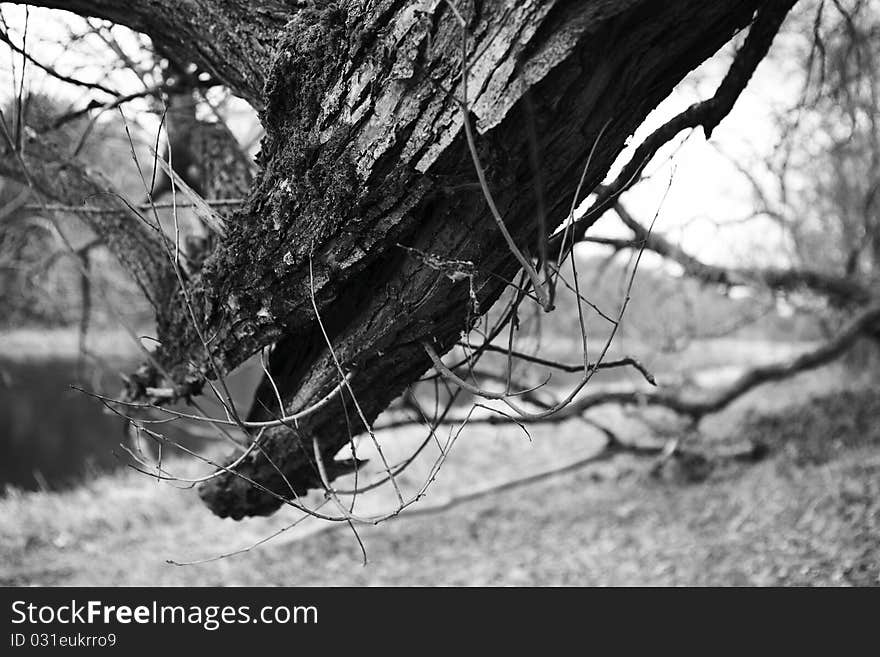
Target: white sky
(705, 189)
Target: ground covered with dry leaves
(807, 514)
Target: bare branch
(233, 40)
(866, 321)
(708, 113)
(4, 37)
(839, 289)
(55, 176)
(627, 361)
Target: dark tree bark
(365, 151)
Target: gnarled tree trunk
(364, 152)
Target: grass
(810, 514)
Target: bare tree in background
(420, 162)
(818, 187)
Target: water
(52, 436)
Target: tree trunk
(365, 155)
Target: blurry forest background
(765, 248)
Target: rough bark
(365, 152)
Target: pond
(53, 436)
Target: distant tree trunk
(365, 151)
